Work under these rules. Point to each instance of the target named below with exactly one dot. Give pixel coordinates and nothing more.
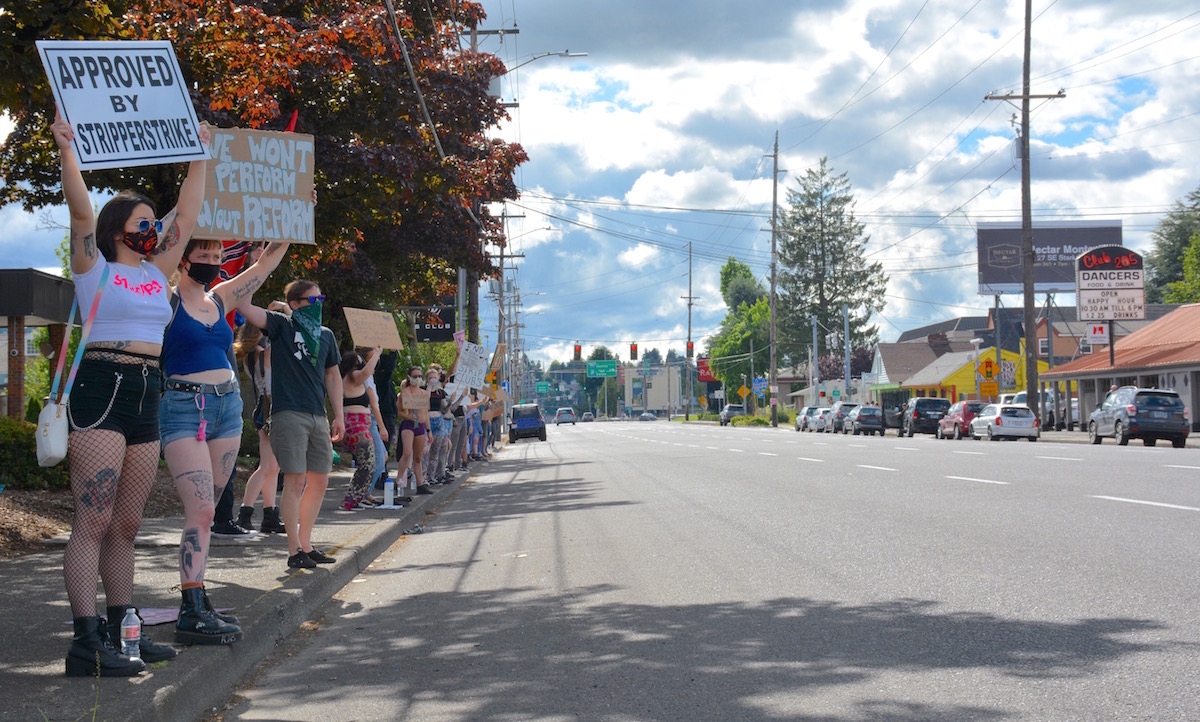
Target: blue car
(526, 423)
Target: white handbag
(52, 426)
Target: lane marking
(711, 448)
(805, 458)
(1180, 466)
(766, 453)
(880, 468)
(857, 446)
(1058, 458)
(905, 448)
(738, 451)
(693, 446)
(981, 481)
(971, 453)
(1147, 503)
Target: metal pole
(1031, 369)
(774, 226)
(815, 365)
(752, 399)
(687, 414)
(846, 321)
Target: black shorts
(121, 397)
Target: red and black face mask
(142, 243)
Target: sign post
(1110, 286)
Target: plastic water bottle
(389, 493)
(131, 634)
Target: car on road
(957, 421)
(587, 416)
(865, 419)
(1005, 421)
(526, 422)
(1132, 412)
(921, 415)
(565, 415)
(823, 421)
(730, 411)
(647, 416)
(802, 417)
(837, 415)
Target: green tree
(1164, 262)
(1187, 290)
(742, 328)
(738, 284)
(823, 266)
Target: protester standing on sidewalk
(357, 405)
(413, 428)
(254, 350)
(304, 370)
(200, 418)
(113, 413)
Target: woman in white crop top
(114, 440)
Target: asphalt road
(653, 571)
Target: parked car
(647, 416)
(865, 419)
(1047, 405)
(824, 422)
(525, 422)
(730, 411)
(565, 415)
(922, 414)
(814, 417)
(1005, 421)
(587, 416)
(802, 417)
(957, 421)
(1138, 413)
(837, 414)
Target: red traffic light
(690, 349)
(822, 394)
(633, 352)
(578, 352)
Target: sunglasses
(315, 299)
(144, 225)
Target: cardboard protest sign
(501, 395)
(472, 365)
(498, 356)
(373, 328)
(127, 102)
(260, 187)
(414, 398)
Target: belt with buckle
(192, 387)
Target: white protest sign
(472, 365)
(260, 187)
(127, 102)
(456, 393)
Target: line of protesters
(159, 375)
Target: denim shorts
(179, 415)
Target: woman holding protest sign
(200, 417)
(120, 260)
(359, 406)
(413, 401)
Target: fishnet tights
(110, 483)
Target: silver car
(1005, 421)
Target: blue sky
(659, 138)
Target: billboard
(1056, 245)
(704, 370)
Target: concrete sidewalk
(249, 576)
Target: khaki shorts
(301, 442)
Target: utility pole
(773, 388)
(816, 366)
(1027, 255)
(687, 414)
(846, 320)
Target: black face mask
(204, 273)
(142, 243)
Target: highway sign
(543, 387)
(602, 369)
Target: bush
(32, 409)
(18, 459)
(750, 421)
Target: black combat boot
(271, 523)
(91, 653)
(246, 517)
(227, 618)
(197, 625)
(149, 651)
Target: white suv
(565, 415)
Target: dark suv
(526, 422)
(922, 414)
(837, 415)
(1135, 413)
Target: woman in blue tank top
(200, 417)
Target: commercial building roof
(1173, 340)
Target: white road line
(1180, 466)
(970, 453)
(738, 451)
(858, 446)
(1058, 458)
(805, 458)
(880, 468)
(905, 448)
(981, 481)
(711, 448)
(693, 446)
(766, 453)
(1147, 503)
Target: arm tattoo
(89, 244)
(248, 287)
(170, 235)
(274, 248)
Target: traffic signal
(822, 394)
(633, 352)
(578, 352)
(691, 347)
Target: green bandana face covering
(308, 320)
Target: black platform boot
(227, 618)
(246, 517)
(150, 651)
(197, 625)
(92, 654)
(271, 523)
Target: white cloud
(638, 256)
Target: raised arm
(75, 192)
(368, 369)
(179, 223)
(241, 287)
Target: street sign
(1097, 334)
(543, 387)
(504, 385)
(719, 394)
(743, 391)
(988, 369)
(703, 400)
(1110, 284)
(837, 393)
(602, 369)
(989, 388)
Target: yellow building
(955, 375)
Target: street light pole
(774, 380)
